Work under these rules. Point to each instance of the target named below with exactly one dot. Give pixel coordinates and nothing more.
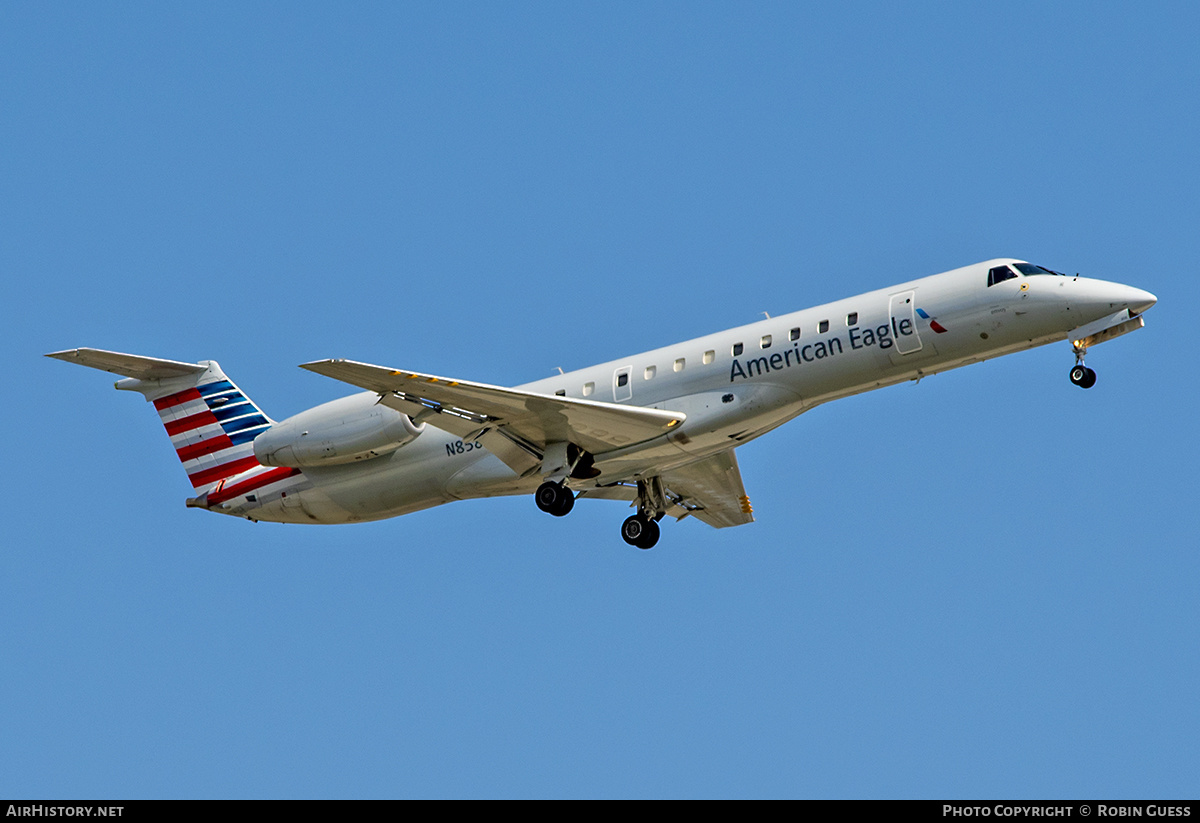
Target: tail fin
(210, 421)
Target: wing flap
(711, 490)
(519, 455)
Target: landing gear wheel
(566, 503)
(640, 531)
(554, 498)
(1083, 377)
(651, 537)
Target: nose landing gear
(1081, 375)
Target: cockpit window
(1029, 268)
(1000, 274)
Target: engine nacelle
(341, 431)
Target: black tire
(1079, 375)
(1089, 379)
(546, 497)
(634, 529)
(554, 499)
(640, 531)
(566, 502)
(650, 536)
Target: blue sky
(981, 585)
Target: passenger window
(823, 327)
(650, 372)
(737, 349)
(852, 319)
(588, 388)
(1000, 274)
(709, 356)
(623, 379)
(794, 334)
(561, 393)
(765, 343)
(679, 364)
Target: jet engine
(341, 431)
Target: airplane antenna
(560, 371)
(766, 315)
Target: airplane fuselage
(733, 386)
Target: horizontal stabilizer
(128, 365)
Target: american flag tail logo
(211, 422)
(212, 426)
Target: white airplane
(658, 429)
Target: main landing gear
(554, 498)
(641, 530)
(1081, 375)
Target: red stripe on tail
(213, 444)
(192, 421)
(177, 399)
(209, 476)
(238, 489)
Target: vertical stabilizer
(211, 422)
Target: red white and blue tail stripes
(212, 427)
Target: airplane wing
(710, 490)
(514, 425)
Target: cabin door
(623, 383)
(903, 311)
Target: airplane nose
(1139, 300)
(1101, 295)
